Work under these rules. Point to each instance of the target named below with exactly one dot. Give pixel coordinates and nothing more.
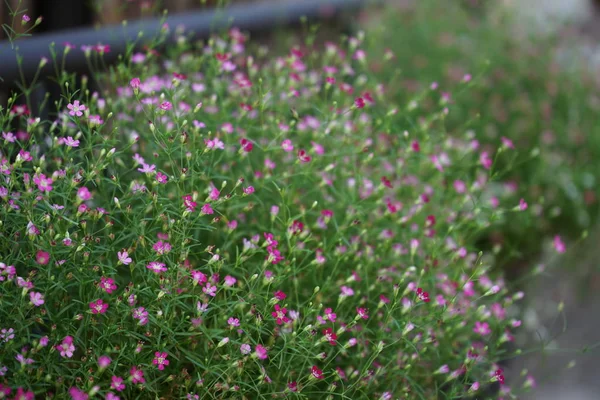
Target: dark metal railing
(260, 16)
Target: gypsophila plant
(504, 87)
(218, 223)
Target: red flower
(386, 182)
(499, 375)
(423, 295)
(330, 336)
(316, 372)
(246, 145)
(303, 156)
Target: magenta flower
(189, 204)
(198, 277)
(135, 83)
(482, 328)
(161, 247)
(76, 109)
(165, 106)
(104, 362)
(261, 352)
(160, 360)
(42, 257)
(207, 209)
(362, 313)
(137, 375)
(108, 285)
(280, 315)
(84, 193)
(36, 298)
(43, 183)
(559, 246)
(156, 267)
(77, 394)
(140, 314)
(116, 383)
(161, 178)
(522, 205)
(98, 307)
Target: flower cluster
(198, 239)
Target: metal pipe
(250, 16)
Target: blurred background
(536, 69)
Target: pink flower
(245, 349)
(198, 277)
(287, 145)
(161, 247)
(207, 209)
(135, 83)
(165, 106)
(104, 362)
(507, 142)
(189, 204)
(98, 307)
(70, 142)
(116, 383)
(482, 328)
(359, 102)
(485, 160)
(140, 314)
(42, 257)
(330, 315)
(161, 178)
(76, 109)
(137, 375)
(559, 246)
(36, 298)
(230, 280)
(249, 190)
(124, 257)
(261, 352)
(210, 290)
(522, 205)
(347, 291)
(66, 348)
(160, 360)
(77, 394)
(44, 184)
(156, 267)
(233, 322)
(84, 193)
